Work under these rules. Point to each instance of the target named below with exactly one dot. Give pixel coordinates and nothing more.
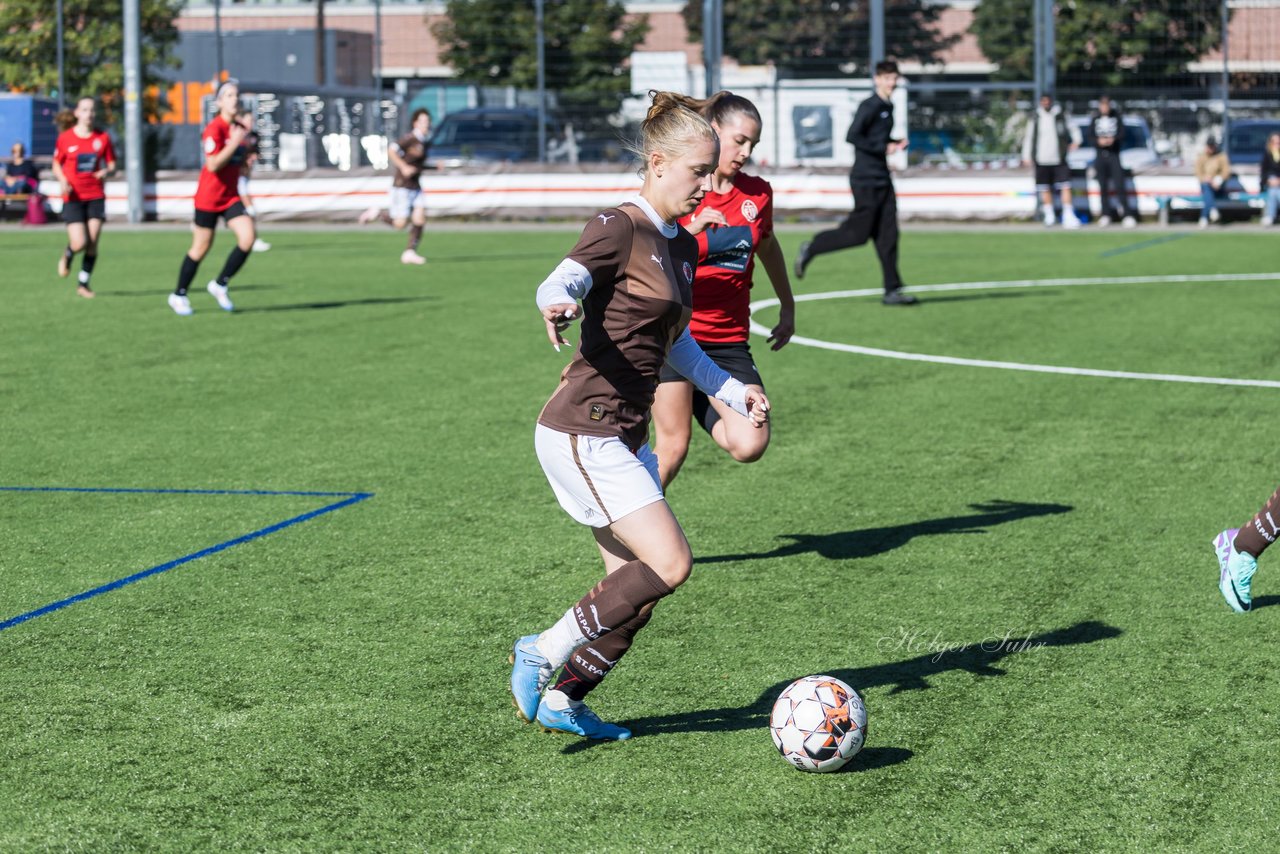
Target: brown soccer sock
(618, 598)
(612, 603)
(415, 237)
(1262, 528)
(594, 660)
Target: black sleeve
(858, 129)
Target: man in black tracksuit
(1107, 129)
(875, 206)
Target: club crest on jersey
(750, 211)
(687, 269)
(97, 144)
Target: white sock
(558, 642)
(558, 701)
(83, 277)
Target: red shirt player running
(733, 224)
(82, 160)
(218, 195)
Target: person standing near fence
(1269, 178)
(1049, 137)
(875, 204)
(218, 195)
(1107, 129)
(82, 161)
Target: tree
(1101, 43)
(823, 37)
(93, 47)
(588, 43)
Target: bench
(14, 204)
(1235, 206)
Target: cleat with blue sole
(580, 720)
(530, 672)
(1235, 579)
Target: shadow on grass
(323, 304)
(933, 298)
(978, 657)
(166, 291)
(1265, 602)
(848, 545)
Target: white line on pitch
(759, 329)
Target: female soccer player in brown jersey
(733, 226)
(633, 270)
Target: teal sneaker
(530, 673)
(580, 720)
(1237, 571)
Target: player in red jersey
(733, 225)
(82, 160)
(218, 195)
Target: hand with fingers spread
(785, 328)
(557, 318)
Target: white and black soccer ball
(818, 723)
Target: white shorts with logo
(597, 479)
(405, 199)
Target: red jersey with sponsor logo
(81, 156)
(727, 257)
(217, 191)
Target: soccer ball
(818, 723)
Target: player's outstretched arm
(775, 264)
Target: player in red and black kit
(733, 224)
(82, 160)
(218, 195)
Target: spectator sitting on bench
(1213, 170)
(21, 176)
(1269, 178)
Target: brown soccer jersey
(640, 301)
(414, 152)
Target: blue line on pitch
(170, 491)
(1143, 244)
(351, 498)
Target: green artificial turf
(1013, 568)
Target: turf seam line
(351, 498)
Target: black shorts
(734, 357)
(1056, 177)
(209, 219)
(78, 211)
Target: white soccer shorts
(597, 479)
(403, 200)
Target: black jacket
(869, 134)
(1268, 168)
(1112, 125)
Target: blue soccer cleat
(1237, 571)
(580, 720)
(530, 673)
